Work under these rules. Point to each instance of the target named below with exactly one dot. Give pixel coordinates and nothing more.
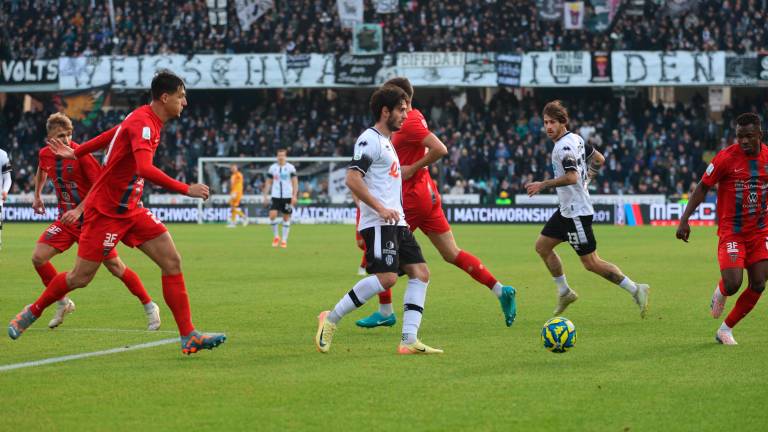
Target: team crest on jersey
(145, 132)
(732, 248)
(70, 169)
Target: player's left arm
(595, 161)
(436, 150)
(295, 188)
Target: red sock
(746, 301)
(175, 295)
(385, 297)
(47, 272)
(54, 291)
(475, 268)
(721, 285)
(134, 285)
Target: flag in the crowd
(385, 6)
(573, 16)
(549, 10)
(350, 12)
(82, 105)
(249, 11)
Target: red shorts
(61, 237)
(101, 233)
(424, 209)
(741, 251)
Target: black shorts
(388, 248)
(577, 231)
(283, 205)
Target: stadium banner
(517, 214)
(448, 69)
(29, 75)
(609, 199)
(601, 67)
(249, 11)
(367, 39)
(554, 69)
(385, 6)
(740, 70)
(350, 13)
(573, 15)
(357, 70)
(668, 68)
(666, 214)
(508, 69)
(208, 71)
(549, 10)
(762, 69)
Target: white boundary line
(107, 330)
(5, 368)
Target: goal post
(317, 170)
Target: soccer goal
(321, 182)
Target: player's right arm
(714, 173)
(37, 203)
(267, 186)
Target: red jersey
(72, 179)
(132, 144)
(742, 189)
(409, 148)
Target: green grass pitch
(662, 373)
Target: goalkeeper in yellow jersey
(235, 195)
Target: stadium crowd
(53, 28)
(493, 147)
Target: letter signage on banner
(553, 69)
(29, 75)
(448, 68)
(200, 71)
(357, 70)
(740, 70)
(508, 69)
(762, 69)
(668, 68)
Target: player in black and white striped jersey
(5, 186)
(374, 177)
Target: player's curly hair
(747, 119)
(57, 120)
(403, 83)
(557, 111)
(386, 96)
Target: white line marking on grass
(121, 349)
(110, 330)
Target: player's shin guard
(134, 285)
(413, 305)
(746, 301)
(356, 297)
(175, 295)
(286, 230)
(46, 272)
(54, 291)
(475, 268)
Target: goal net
(321, 184)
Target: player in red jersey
(113, 211)
(72, 179)
(740, 172)
(418, 148)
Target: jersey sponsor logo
(358, 155)
(394, 170)
(710, 169)
(109, 243)
(145, 133)
(52, 231)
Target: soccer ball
(558, 335)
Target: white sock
(413, 305)
(385, 309)
(724, 327)
(356, 297)
(286, 229)
(628, 285)
(562, 285)
(497, 289)
(274, 227)
(64, 300)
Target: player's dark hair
(165, 81)
(403, 83)
(386, 96)
(557, 111)
(282, 150)
(747, 119)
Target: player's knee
(422, 273)
(38, 259)
(172, 264)
(115, 268)
(542, 249)
(592, 265)
(79, 280)
(757, 287)
(387, 280)
(732, 286)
